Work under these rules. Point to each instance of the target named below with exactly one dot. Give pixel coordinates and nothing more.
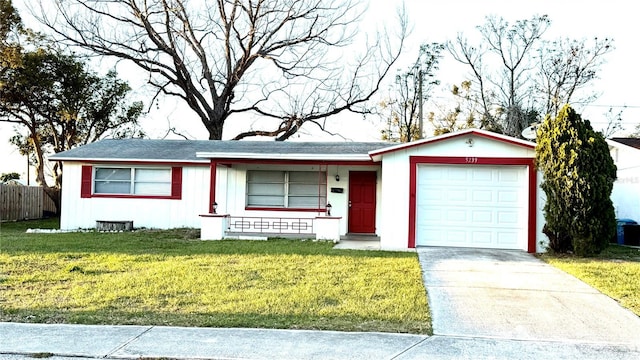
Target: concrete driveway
(505, 294)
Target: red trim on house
(414, 161)
(282, 209)
(86, 181)
(126, 196)
(176, 182)
(86, 187)
(487, 135)
(213, 168)
(413, 168)
(533, 208)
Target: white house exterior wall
(80, 213)
(394, 202)
(626, 189)
(394, 223)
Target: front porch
(224, 226)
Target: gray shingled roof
(185, 150)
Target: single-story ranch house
(471, 188)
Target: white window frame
(132, 181)
(320, 196)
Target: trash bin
(620, 229)
(631, 234)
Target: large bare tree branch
(287, 60)
(568, 66)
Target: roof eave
(613, 143)
(128, 160)
(376, 155)
(267, 156)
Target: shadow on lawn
(174, 242)
(304, 321)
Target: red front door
(362, 202)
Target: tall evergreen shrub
(578, 175)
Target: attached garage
(472, 188)
(471, 206)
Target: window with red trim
(122, 181)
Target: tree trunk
(52, 192)
(215, 122)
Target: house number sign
(471, 160)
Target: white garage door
(472, 206)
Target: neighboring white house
(471, 188)
(626, 189)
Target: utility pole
(420, 121)
(28, 165)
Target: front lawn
(615, 272)
(170, 278)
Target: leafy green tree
(578, 176)
(9, 176)
(10, 31)
(63, 105)
(59, 102)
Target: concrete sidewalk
(21, 341)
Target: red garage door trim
(533, 181)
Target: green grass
(615, 272)
(170, 278)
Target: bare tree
(289, 61)
(566, 67)
(520, 77)
(462, 116)
(412, 88)
(505, 93)
(614, 123)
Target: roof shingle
(185, 150)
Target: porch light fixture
(337, 177)
(214, 206)
(469, 142)
(329, 209)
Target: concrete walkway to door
(504, 294)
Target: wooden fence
(23, 202)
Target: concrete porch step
(360, 237)
(359, 242)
